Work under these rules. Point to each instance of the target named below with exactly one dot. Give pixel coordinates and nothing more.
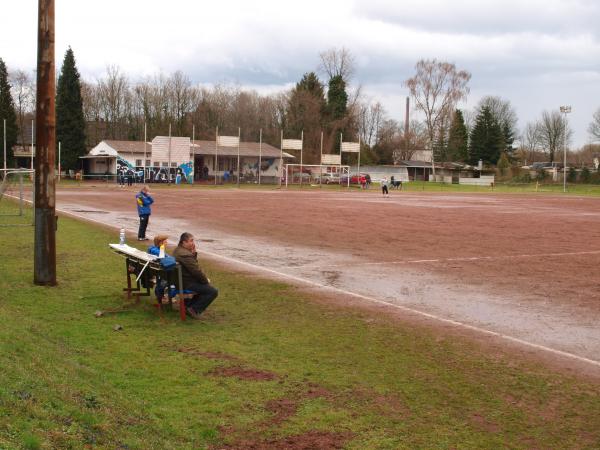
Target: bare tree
(552, 129)
(370, 117)
(436, 88)
(114, 97)
(338, 62)
(594, 128)
(530, 141)
(182, 98)
(24, 96)
(417, 138)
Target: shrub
(524, 177)
(541, 175)
(585, 175)
(572, 175)
(503, 164)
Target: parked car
(328, 178)
(354, 179)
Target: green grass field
(266, 368)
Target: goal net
(16, 197)
(315, 174)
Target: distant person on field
(384, 187)
(144, 200)
(368, 181)
(193, 278)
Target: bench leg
(128, 279)
(181, 306)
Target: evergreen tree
(70, 122)
(487, 140)
(311, 83)
(440, 146)
(458, 139)
(337, 98)
(509, 138)
(7, 112)
(337, 108)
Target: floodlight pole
(216, 153)
(192, 154)
(281, 161)
(239, 169)
(145, 156)
(169, 169)
(301, 161)
(31, 144)
(59, 168)
(44, 266)
(565, 110)
(259, 155)
(321, 162)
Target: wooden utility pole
(45, 215)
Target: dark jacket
(190, 270)
(143, 203)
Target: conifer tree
(487, 140)
(7, 112)
(337, 98)
(458, 139)
(70, 122)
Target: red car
(355, 179)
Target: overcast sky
(539, 54)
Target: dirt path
(519, 267)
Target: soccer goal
(16, 197)
(316, 174)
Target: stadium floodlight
(565, 110)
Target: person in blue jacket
(144, 200)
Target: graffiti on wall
(126, 169)
(183, 173)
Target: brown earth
(509, 263)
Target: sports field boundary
(307, 282)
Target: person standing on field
(144, 200)
(384, 187)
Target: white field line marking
(465, 258)
(380, 302)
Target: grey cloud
(487, 17)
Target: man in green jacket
(192, 276)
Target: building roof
(246, 149)
(417, 164)
(129, 146)
(114, 147)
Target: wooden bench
(141, 268)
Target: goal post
(316, 174)
(16, 197)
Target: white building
(179, 155)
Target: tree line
(324, 106)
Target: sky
(537, 54)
